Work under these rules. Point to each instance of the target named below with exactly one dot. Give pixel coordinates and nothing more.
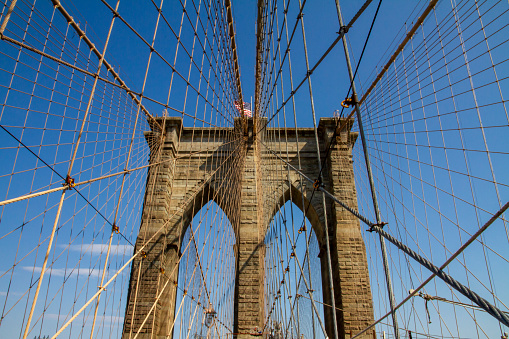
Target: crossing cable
(70, 166)
(84, 142)
(302, 190)
(467, 174)
(353, 101)
(285, 271)
(102, 79)
(82, 35)
(308, 286)
(341, 33)
(492, 310)
(126, 171)
(339, 124)
(69, 184)
(138, 253)
(408, 37)
(321, 165)
(416, 290)
(282, 281)
(184, 290)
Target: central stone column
(249, 286)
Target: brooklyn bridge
(350, 182)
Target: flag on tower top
(247, 108)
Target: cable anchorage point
(348, 102)
(380, 224)
(69, 183)
(343, 30)
(318, 183)
(114, 228)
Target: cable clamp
(143, 254)
(292, 255)
(343, 30)
(101, 288)
(69, 183)
(380, 224)
(425, 296)
(115, 229)
(348, 102)
(302, 229)
(162, 270)
(318, 183)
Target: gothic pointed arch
(300, 194)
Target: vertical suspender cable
(68, 182)
(370, 177)
(333, 301)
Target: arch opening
(299, 196)
(292, 259)
(206, 273)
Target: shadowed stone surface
(177, 188)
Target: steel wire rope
(350, 84)
(68, 187)
(174, 70)
(138, 252)
(443, 245)
(333, 44)
(459, 55)
(424, 262)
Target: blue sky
(427, 183)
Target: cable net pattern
(436, 128)
(123, 134)
(80, 132)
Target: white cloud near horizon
(61, 272)
(11, 293)
(97, 249)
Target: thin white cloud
(61, 272)
(11, 293)
(97, 249)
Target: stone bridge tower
(177, 192)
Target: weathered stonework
(177, 189)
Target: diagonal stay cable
(341, 33)
(437, 271)
(67, 185)
(336, 130)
